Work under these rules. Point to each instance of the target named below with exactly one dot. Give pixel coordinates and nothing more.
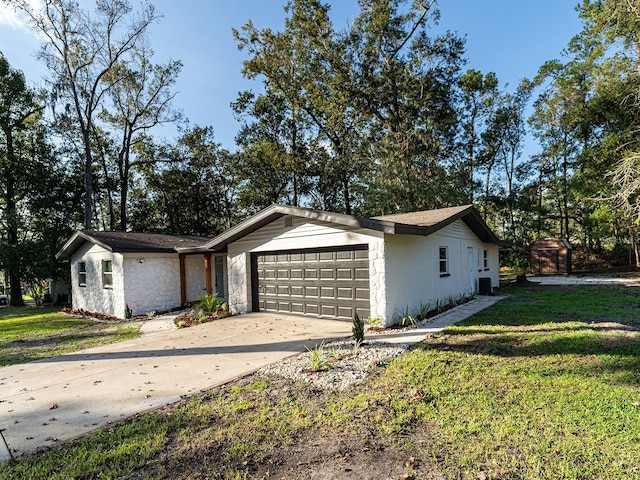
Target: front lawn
(33, 333)
(543, 385)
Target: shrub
(128, 313)
(357, 329)
(404, 318)
(317, 360)
(210, 303)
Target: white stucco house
(111, 271)
(297, 261)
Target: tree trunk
(11, 214)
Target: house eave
(469, 215)
(75, 242)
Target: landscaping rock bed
(347, 365)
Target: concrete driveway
(53, 400)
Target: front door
(472, 274)
(219, 279)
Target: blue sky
(509, 37)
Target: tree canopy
(376, 116)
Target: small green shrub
(357, 329)
(151, 314)
(451, 301)
(404, 318)
(128, 313)
(316, 358)
(210, 303)
(375, 321)
(424, 309)
(439, 305)
(181, 324)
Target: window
(444, 261)
(486, 260)
(479, 265)
(107, 273)
(82, 274)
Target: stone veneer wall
(153, 285)
(94, 297)
(239, 282)
(377, 285)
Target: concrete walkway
(626, 279)
(53, 400)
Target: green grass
(33, 333)
(544, 385)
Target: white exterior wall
(303, 233)
(94, 297)
(413, 268)
(152, 285)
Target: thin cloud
(11, 18)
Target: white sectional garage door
(327, 283)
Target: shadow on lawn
(592, 331)
(610, 354)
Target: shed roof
(416, 223)
(553, 240)
(130, 242)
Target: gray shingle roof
(129, 242)
(417, 223)
(425, 218)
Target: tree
(141, 99)
(22, 161)
(188, 188)
(478, 98)
(82, 52)
(307, 67)
(405, 84)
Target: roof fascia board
(275, 211)
(75, 242)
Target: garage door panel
(362, 273)
(329, 311)
(327, 273)
(344, 273)
(362, 293)
(327, 292)
(344, 255)
(331, 283)
(345, 293)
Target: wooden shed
(551, 256)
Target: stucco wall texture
(403, 269)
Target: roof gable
(127, 242)
(416, 223)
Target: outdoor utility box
(484, 286)
(551, 256)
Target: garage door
(329, 283)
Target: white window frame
(486, 259)
(82, 274)
(443, 261)
(107, 275)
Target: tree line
(376, 117)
